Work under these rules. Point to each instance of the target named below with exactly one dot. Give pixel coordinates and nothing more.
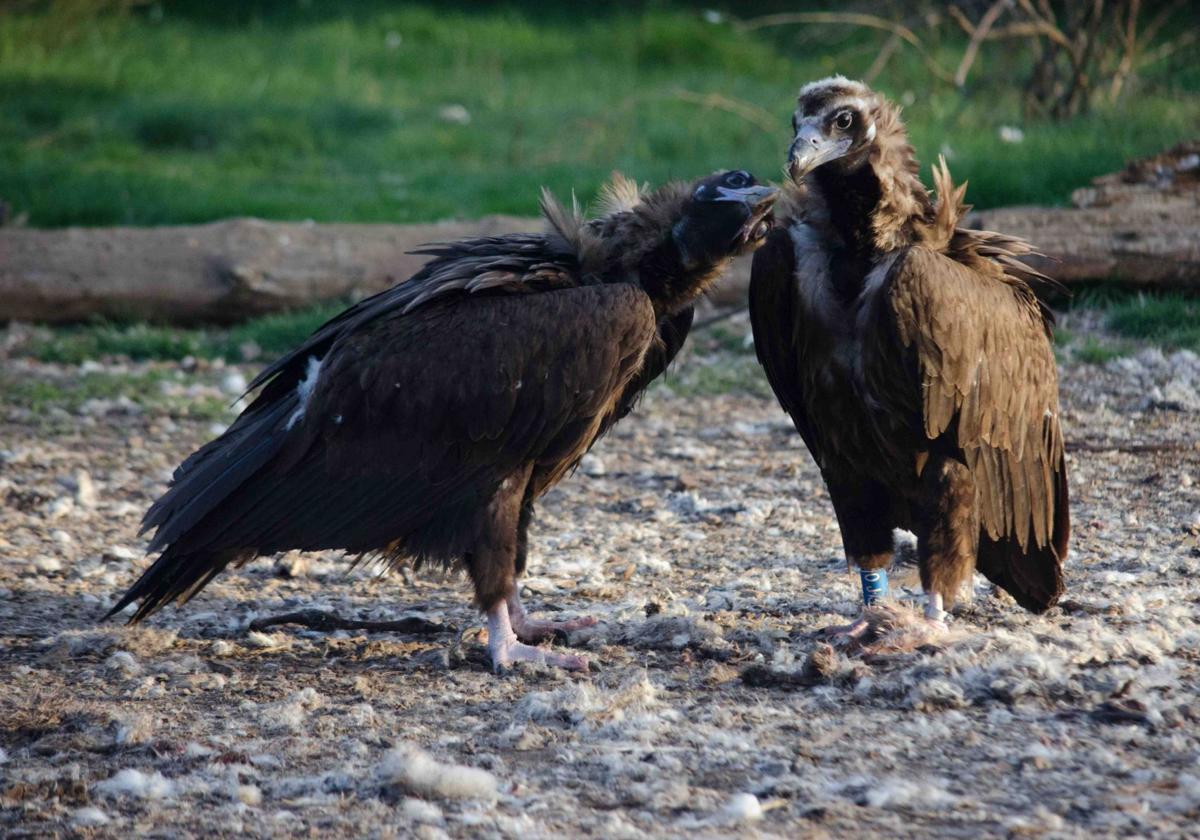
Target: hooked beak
(811, 148)
(759, 201)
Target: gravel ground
(701, 536)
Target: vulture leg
(947, 532)
(865, 516)
(493, 564)
(528, 629)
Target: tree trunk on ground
(216, 273)
(1139, 227)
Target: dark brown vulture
(422, 423)
(914, 359)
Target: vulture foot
(505, 648)
(533, 630)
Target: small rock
(60, 507)
(742, 808)
(233, 383)
(290, 566)
(420, 811)
(592, 465)
(1011, 134)
(85, 490)
(89, 817)
(121, 553)
(248, 795)
(454, 113)
(124, 663)
(249, 350)
(47, 564)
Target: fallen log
(1139, 227)
(215, 273)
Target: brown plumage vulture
(914, 360)
(422, 423)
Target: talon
(534, 630)
(506, 648)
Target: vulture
(914, 359)
(421, 424)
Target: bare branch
(977, 36)
(851, 19)
(881, 60)
(762, 118)
(326, 622)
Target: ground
(700, 535)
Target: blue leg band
(874, 585)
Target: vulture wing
(672, 332)
(403, 430)
(776, 319)
(976, 349)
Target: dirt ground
(699, 533)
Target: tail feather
(182, 514)
(210, 475)
(173, 577)
(1033, 575)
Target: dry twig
(326, 622)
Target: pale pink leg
(505, 649)
(535, 630)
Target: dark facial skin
(828, 134)
(729, 214)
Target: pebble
(89, 817)
(47, 564)
(743, 807)
(291, 566)
(592, 465)
(454, 113)
(248, 795)
(85, 489)
(233, 383)
(60, 507)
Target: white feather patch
(305, 389)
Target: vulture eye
(738, 179)
(844, 120)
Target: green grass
(40, 395)
(188, 112)
(263, 337)
(1171, 321)
(1096, 352)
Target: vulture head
(834, 123)
(728, 214)
(676, 240)
(850, 147)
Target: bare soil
(701, 536)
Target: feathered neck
(632, 240)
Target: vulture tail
(187, 516)
(1032, 575)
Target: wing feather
(778, 323)
(987, 374)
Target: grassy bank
(186, 112)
